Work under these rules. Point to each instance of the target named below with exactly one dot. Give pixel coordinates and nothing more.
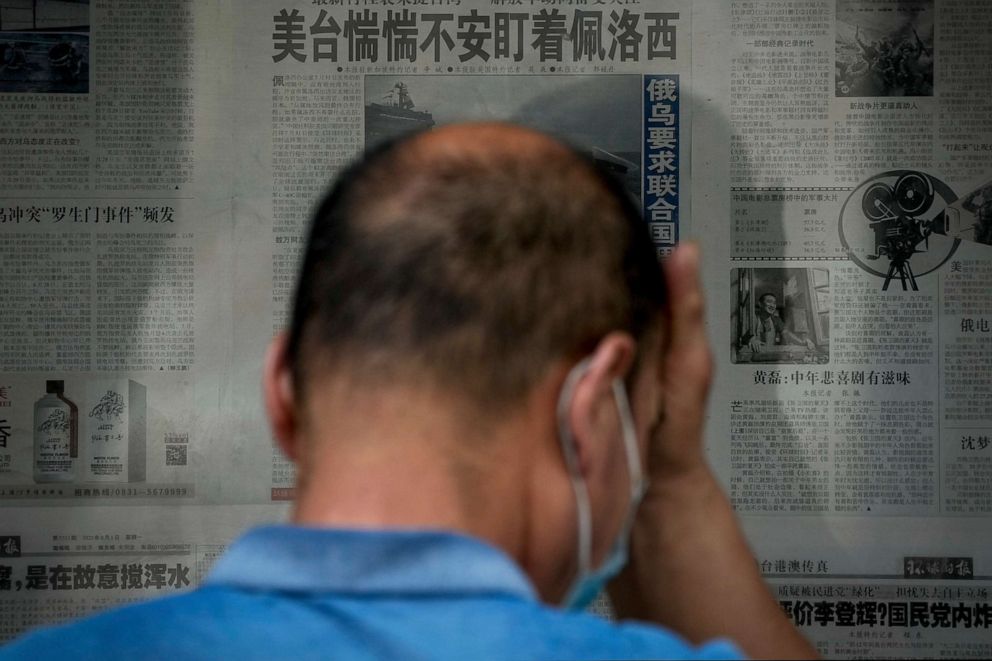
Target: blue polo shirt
(291, 592)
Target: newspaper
(159, 161)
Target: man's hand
(691, 568)
(687, 369)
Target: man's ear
(280, 402)
(593, 413)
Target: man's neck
(396, 458)
(397, 488)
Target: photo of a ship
(394, 116)
(599, 115)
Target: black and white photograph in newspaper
(44, 46)
(971, 215)
(884, 48)
(780, 315)
(573, 108)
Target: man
(870, 52)
(482, 381)
(771, 328)
(13, 57)
(980, 204)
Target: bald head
(485, 140)
(469, 259)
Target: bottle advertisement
(75, 439)
(56, 435)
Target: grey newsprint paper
(833, 157)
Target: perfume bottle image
(56, 435)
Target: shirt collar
(293, 558)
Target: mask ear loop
(574, 472)
(638, 486)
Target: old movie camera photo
(884, 48)
(44, 46)
(780, 315)
(898, 226)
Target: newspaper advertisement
(831, 156)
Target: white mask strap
(572, 463)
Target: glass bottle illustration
(56, 435)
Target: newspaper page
(845, 167)
(130, 432)
(116, 305)
(160, 161)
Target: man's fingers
(688, 358)
(687, 368)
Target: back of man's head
(469, 259)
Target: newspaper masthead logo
(10, 546)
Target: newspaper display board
(833, 157)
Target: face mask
(589, 582)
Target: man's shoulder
(212, 621)
(153, 628)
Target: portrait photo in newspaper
(44, 46)
(780, 315)
(884, 48)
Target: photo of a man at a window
(781, 315)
